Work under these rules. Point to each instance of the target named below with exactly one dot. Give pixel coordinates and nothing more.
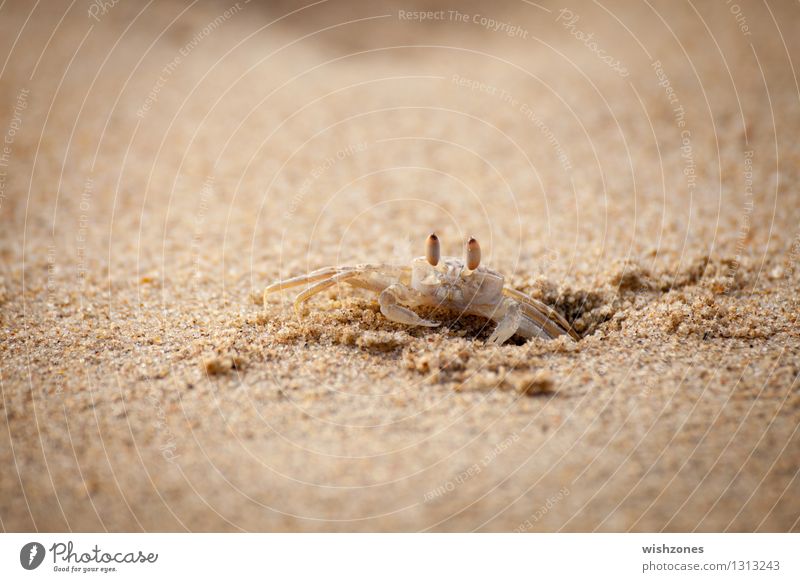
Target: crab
(459, 284)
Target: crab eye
(432, 252)
(473, 254)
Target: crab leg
(329, 273)
(521, 318)
(545, 317)
(509, 323)
(549, 328)
(326, 272)
(312, 277)
(321, 286)
(533, 324)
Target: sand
(635, 166)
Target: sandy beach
(635, 166)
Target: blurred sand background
(635, 165)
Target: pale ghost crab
(460, 285)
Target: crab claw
(389, 301)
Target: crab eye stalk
(473, 254)
(432, 251)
